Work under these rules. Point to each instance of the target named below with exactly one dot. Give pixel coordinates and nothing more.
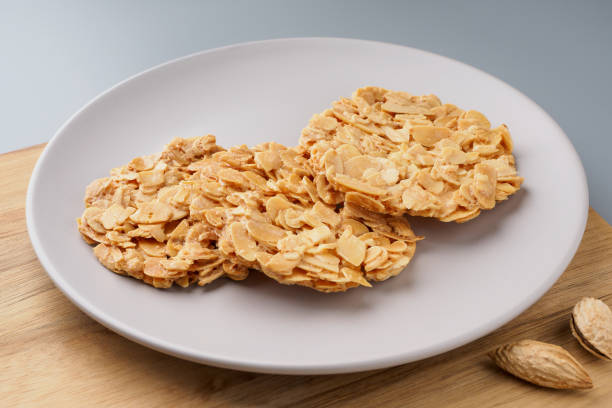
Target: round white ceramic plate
(465, 280)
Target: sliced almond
(245, 246)
(142, 163)
(152, 213)
(154, 268)
(402, 102)
(155, 231)
(357, 227)
(326, 262)
(364, 201)
(275, 204)
(325, 191)
(429, 135)
(485, 180)
(265, 232)
(115, 215)
(356, 166)
(326, 214)
(333, 161)
(323, 122)
(231, 176)
(151, 178)
(280, 263)
(375, 257)
(351, 248)
(353, 184)
(473, 118)
(314, 236)
(152, 248)
(268, 160)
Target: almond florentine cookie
(396, 153)
(139, 220)
(268, 214)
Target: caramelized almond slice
(280, 263)
(229, 175)
(265, 232)
(356, 227)
(314, 236)
(326, 262)
(375, 257)
(356, 166)
(151, 178)
(152, 213)
(485, 180)
(142, 163)
(364, 201)
(115, 215)
(326, 215)
(473, 118)
(429, 135)
(351, 248)
(353, 184)
(152, 248)
(268, 160)
(245, 246)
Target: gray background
(57, 55)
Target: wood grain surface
(54, 355)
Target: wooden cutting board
(54, 355)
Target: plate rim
(254, 365)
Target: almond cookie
(270, 214)
(139, 220)
(396, 153)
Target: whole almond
(591, 325)
(542, 364)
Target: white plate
(465, 280)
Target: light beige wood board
(54, 355)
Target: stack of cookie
(329, 214)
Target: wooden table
(54, 355)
